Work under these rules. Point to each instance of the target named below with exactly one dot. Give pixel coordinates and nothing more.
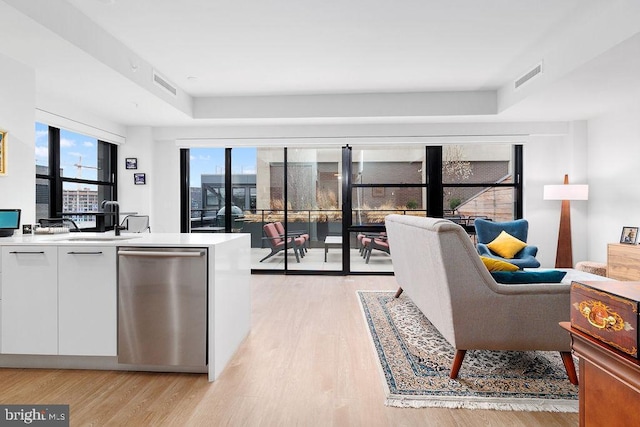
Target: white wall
(165, 188)
(17, 117)
(547, 159)
(614, 174)
(160, 196)
(132, 197)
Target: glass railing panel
(372, 204)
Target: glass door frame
(433, 185)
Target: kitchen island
(59, 306)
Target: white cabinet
(58, 300)
(87, 301)
(0, 302)
(29, 300)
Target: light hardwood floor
(308, 361)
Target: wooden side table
(609, 382)
(623, 261)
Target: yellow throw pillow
(506, 245)
(493, 264)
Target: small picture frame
(3, 152)
(629, 235)
(131, 163)
(139, 179)
(27, 229)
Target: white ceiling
(325, 46)
(214, 48)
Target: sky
(78, 153)
(211, 161)
(78, 157)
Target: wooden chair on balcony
(371, 242)
(294, 234)
(278, 243)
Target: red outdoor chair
(372, 242)
(294, 234)
(278, 243)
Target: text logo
(37, 415)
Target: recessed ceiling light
(107, 1)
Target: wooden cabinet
(609, 382)
(608, 311)
(29, 300)
(87, 301)
(623, 262)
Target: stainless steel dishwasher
(162, 306)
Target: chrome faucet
(116, 213)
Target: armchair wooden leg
(567, 359)
(457, 363)
(398, 293)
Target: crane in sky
(79, 166)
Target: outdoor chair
(136, 224)
(360, 245)
(59, 222)
(374, 241)
(294, 234)
(279, 243)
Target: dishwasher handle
(162, 254)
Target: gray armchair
(437, 266)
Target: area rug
(415, 361)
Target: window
(343, 195)
(74, 174)
(480, 181)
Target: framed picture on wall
(3, 152)
(139, 179)
(131, 163)
(629, 235)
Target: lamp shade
(566, 192)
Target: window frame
(56, 180)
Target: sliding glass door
(384, 181)
(322, 209)
(314, 207)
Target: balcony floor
(314, 261)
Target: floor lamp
(566, 193)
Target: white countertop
(125, 239)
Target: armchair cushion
(526, 258)
(506, 245)
(494, 264)
(519, 277)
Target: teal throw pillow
(518, 277)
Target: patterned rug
(415, 361)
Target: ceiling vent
(535, 71)
(163, 83)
